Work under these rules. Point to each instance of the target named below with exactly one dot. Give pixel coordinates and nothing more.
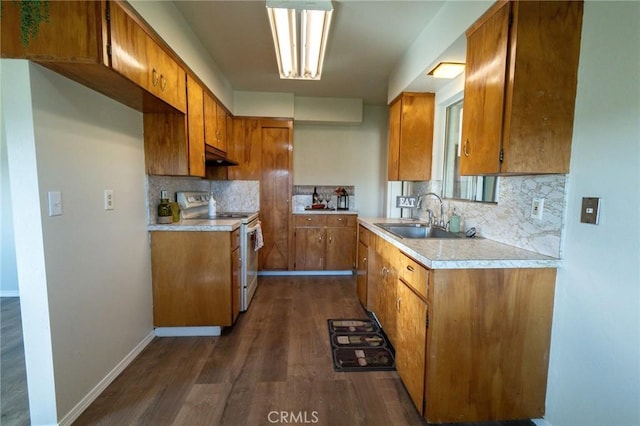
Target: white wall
(345, 155)
(594, 375)
(97, 282)
(8, 271)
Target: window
(454, 186)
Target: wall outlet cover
(537, 206)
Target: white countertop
(198, 225)
(463, 253)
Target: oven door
(250, 265)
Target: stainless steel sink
(416, 230)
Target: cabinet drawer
(341, 220)
(364, 235)
(235, 239)
(311, 220)
(414, 274)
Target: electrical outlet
(108, 199)
(537, 205)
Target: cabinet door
(395, 113)
(373, 275)
(275, 192)
(245, 146)
(341, 248)
(484, 94)
(195, 119)
(235, 284)
(411, 342)
(210, 120)
(361, 277)
(221, 127)
(73, 33)
(191, 274)
(310, 248)
(129, 48)
(167, 78)
(416, 136)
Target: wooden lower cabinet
(411, 339)
(325, 242)
(195, 278)
(472, 345)
(364, 236)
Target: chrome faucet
(441, 223)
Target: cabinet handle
(364, 259)
(410, 268)
(340, 219)
(466, 148)
(398, 304)
(309, 219)
(154, 78)
(163, 83)
(320, 239)
(383, 272)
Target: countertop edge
(439, 254)
(324, 211)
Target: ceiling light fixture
(447, 70)
(300, 30)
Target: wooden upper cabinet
(195, 121)
(411, 118)
(138, 57)
(166, 77)
(88, 40)
(245, 147)
(520, 86)
(128, 47)
(215, 127)
(78, 38)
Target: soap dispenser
(454, 222)
(212, 206)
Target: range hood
(215, 157)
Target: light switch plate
(590, 212)
(55, 203)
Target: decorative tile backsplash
(303, 196)
(230, 195)
(508, 221)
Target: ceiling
(366, 41)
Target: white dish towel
(259, 237)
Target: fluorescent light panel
(300, 30)
(447, 70)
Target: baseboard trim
(108, 379)
(302, 273)
(187, 331)
(9, 293)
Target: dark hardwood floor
(14, 401)
(274, 366)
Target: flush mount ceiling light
(300, 30)
(447, 70)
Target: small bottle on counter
(454, 222)
(316, 198)
(165, 213)
(212, 206)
